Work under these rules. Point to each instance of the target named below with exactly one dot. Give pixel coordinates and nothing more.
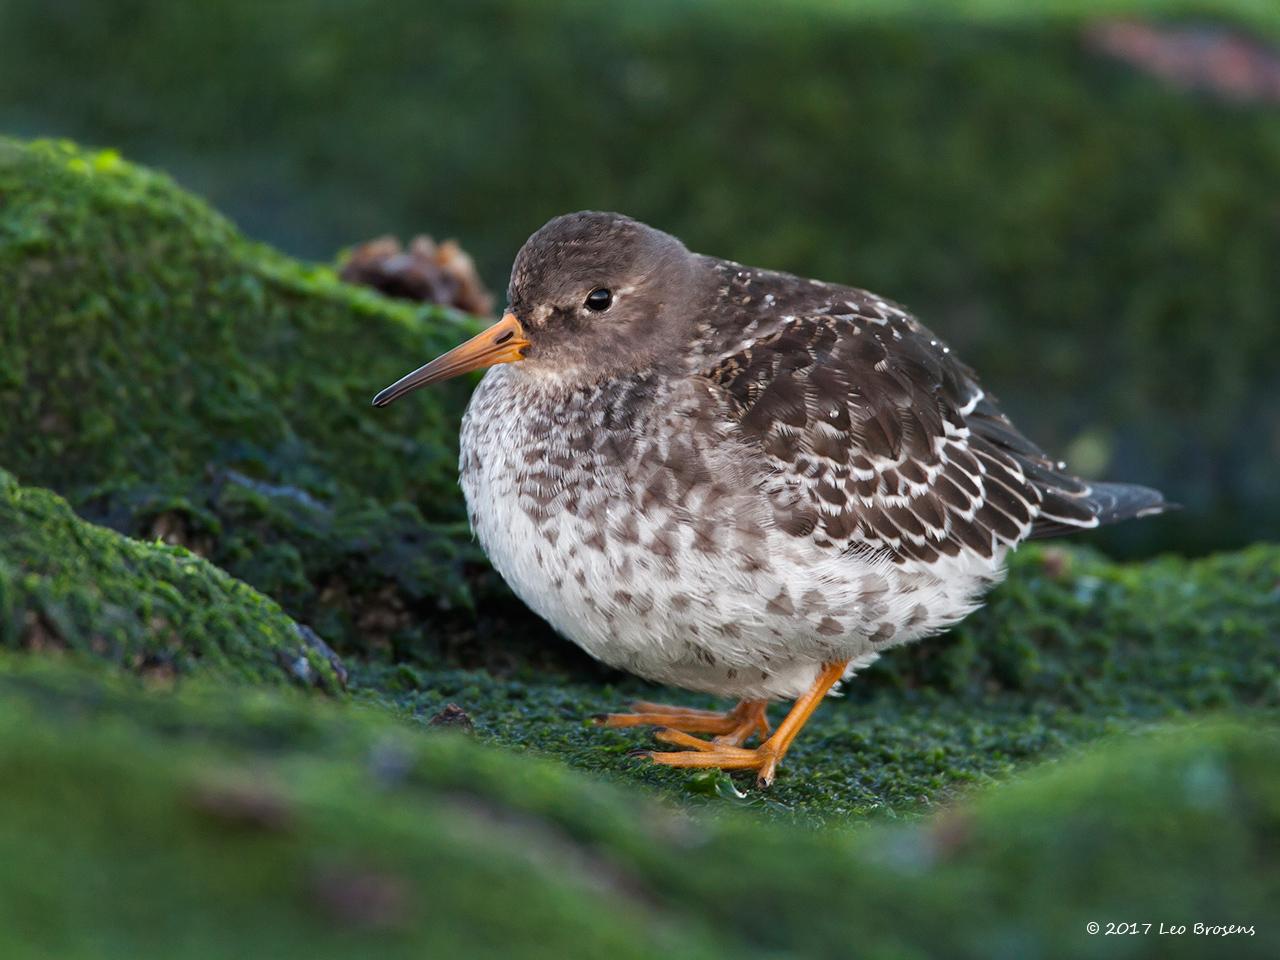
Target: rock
(206, 391)
(68, 587)
(313, 643)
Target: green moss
(222, 820)
(1072, 627)
(67, 586)
(1085, 234)
(145, 339)
(173, 380)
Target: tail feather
(1100, 503)
(1067, 503)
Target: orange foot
(733, 728)
(763, 759)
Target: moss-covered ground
(1099, 743)
(213, 820)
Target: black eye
(599, 299)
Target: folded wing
(875, 438)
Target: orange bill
(504, 342)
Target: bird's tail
(1095, 505)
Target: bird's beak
(504, 342)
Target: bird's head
(592, 295)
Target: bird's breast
(549, 484)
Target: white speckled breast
(631, 518)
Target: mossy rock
(69, 587)
(145, 339)
(173, 380)
(221, 821)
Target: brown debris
(1217, 59)
(1056, 563)
(53, 422)
(175, 528)
(952, 834)
(361, 897)
(382, 615)
(426, 272)
(39, 635)
(453, 717)
(245, 805)
(158, 673)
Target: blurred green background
(1101, 243)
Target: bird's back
(873, 436)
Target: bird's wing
(874, 437)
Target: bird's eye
(599, 300)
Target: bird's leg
(733, 727)
(764, 758)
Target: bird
(736, 480)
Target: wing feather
(876, 438)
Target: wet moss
(69, 587)
(173, 380)
(223, 819)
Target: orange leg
(764, 758)
(732, 728)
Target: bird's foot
(703, 753)
(763, 759)
(732, 728)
